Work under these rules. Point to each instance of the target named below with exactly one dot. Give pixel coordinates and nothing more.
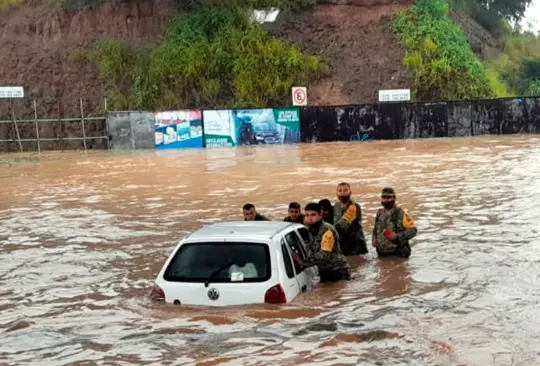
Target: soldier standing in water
(251, 214)
(324, 248)
(393, 228)
(295, 215)
(327, 211)
(348, 222)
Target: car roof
(256, 230)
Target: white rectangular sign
(11, 92)
(395, 95)
(299, 95)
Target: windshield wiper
(215, 273)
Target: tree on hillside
(512, 10)
(529, 77)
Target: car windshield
(241, 262)
(263, 127)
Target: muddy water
(83, 236)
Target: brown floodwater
(82, 237)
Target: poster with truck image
(241, 127)
(178, 129)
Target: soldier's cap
(388, 192)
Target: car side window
(287, 260)
(304, 233)
(296, 247)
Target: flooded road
(82, 236)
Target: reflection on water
(82, 236)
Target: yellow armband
(407, 222)
(350, 214)
(328, 241)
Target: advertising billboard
(241, 127)
(178, 129)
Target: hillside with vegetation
(163, 54)
(468, 50)
(213, 55)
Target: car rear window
(234, 262)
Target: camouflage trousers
(354, 247)
(401, 251)
(334, 276)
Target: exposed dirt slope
(34, 43)
(357, 35)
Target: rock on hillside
(483, 43)
(356, 33)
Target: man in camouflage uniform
(393, 228)
(294, 214)
(348, 222)
(324, 248)
(251, 214)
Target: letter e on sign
(299, 96)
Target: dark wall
(391, 121)
(385, 121)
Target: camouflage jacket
(324, 248)
(259, 217)
(348, 223)
(300, 219)
(400, 223)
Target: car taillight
(157, 294)
(275, 295)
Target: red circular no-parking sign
(299, 96)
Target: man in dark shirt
(294, 213)
(327, 211)
(250, 213)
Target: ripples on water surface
(83, 236)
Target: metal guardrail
(37, 122)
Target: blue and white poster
(178, 129)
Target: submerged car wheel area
(237, 263)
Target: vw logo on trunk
(213, 294)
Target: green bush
(496, 83)
(210, 58)
(517, 64)
(6, 4)
(438, 55)
(529, 77)
(533, 89)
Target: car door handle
(304, 288)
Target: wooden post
(37, 128)
(82, 123)
(16, 127)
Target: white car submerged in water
(237, 263)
